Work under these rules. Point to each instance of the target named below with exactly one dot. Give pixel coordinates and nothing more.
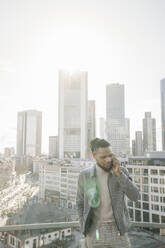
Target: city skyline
(12, 144)
(115, 41)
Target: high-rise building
(115, 102)
(138, 143)
(53, 146)
(29, 130)
(117, 126)
(162, 93)
(149, 133)
(91, 122)
(127, 133)
(133, 147)
(73, 114)
(102, 128)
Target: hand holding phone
(115, 166)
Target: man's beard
(105, 169)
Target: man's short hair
(97, 143)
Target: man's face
(103, 156)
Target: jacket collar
(93, 170)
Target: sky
(116, 41)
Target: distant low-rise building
(148, 173)
(58, 181)
(9, 152)
(7, 172)
(24, 239)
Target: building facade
(148, 173)
(53, 146)
(73, 114)
(102, 128)
(117, 126)
(58, 184)
(23, 239)
(149, 133)
(138, 143)
(91, 123)
(162, 94)
(29, 133)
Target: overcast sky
(116, 41)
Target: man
(102, 211)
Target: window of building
(154, 172)
(34, 243)
(144, 180)
(137, 215)
(163, 219)
(137, 171)
(64, 185)
(155, 218)
(154, 180)
(131, 213)
(130, 203)
(137, 179)
(162, 190)
(162, 172)
(162, 181)
(145, 172)
(11, 240)
(162, 199)
(19, 244)
(154, 189)
(145, 188)
(145, 217)
(63, 235)
(155, 207)
(145, 197)
(138, 204)
(163, 209)
(154, 198)
(145, 206)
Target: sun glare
(75, 48)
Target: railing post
(82, 242)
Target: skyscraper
(29, 126)
(73, 114)
(91, 122)
(133, 148)
(162, 93)
(53, 146)
(102, 128)
(149, 133)
(138, 143)
(115, 102)
(117, 126)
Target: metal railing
(72, 224)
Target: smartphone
(111, 164)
